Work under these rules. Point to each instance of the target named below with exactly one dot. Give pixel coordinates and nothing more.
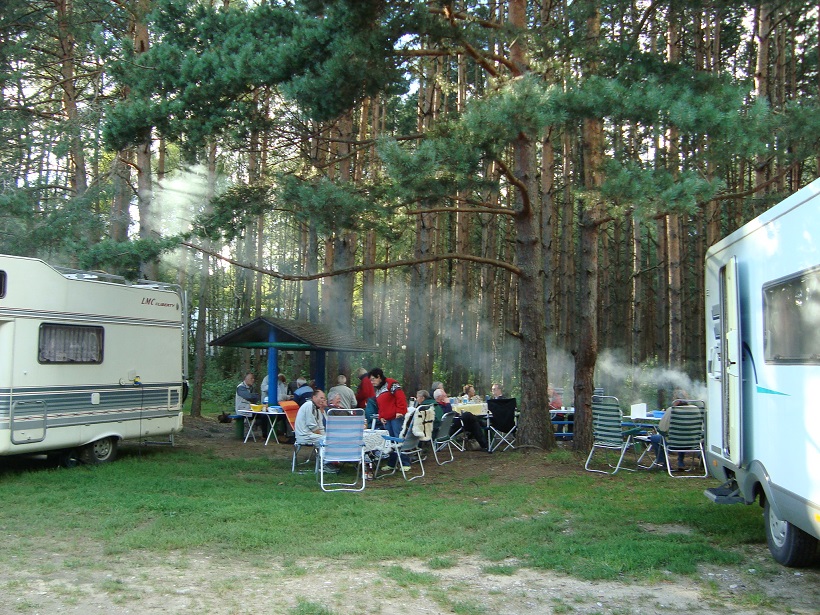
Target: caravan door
(730, 365)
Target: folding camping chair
(502, 421)
(608, 433)
(343, 442)
(443, 439)
(685, 435)
(407, 443)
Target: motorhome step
(724, 495)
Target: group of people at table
(385, 404)
(383, 400)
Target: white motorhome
(763, 371)
(86, 360)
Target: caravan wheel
(789, 545)
(100, 451)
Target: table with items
(374, 439)
(648, 423)
(271, 413)
(476, 409)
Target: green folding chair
(608, 434)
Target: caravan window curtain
(70, 344)
(791, 316)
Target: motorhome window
(2, 284)
(70, 344)
(791, 316)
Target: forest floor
(44, 577)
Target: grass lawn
(511, 510)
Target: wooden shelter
(277, 334)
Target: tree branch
(751, 191)
(479, 59)
(465, 210)
(525, 195)
(358, 268)
(463, 16)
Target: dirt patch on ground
(86, 579)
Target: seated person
(371, 414)
(423, 398)
(309, 426)
(303, 392)
(469, 396)
(471, 424)
(334, 400)
(245, 397)
(556, 403)
(663, 428)
(441, 406)
(497, 392)
(282, 389)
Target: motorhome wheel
(789, 545)
(100, 451)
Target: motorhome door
(730, 365)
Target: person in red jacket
(392, 405)
(365, 389)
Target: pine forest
(513, 191)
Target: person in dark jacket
(303, 393)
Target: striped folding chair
(608, 434)
(343, 442)
(685, 435)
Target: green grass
(585, 525)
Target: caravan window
(70, 344)
(791, 316)
(2, 284)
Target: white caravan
(763, 371)
(86, 360)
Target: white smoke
(646, 382)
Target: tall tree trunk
(673, 223)
(535, 428)
(421, 309)
(764, 30)
(200, 342)
(636, 301)
(145, 188)
(586, 353)
(674, 285)
(567, 272)
(120, 218)
(79, 181)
